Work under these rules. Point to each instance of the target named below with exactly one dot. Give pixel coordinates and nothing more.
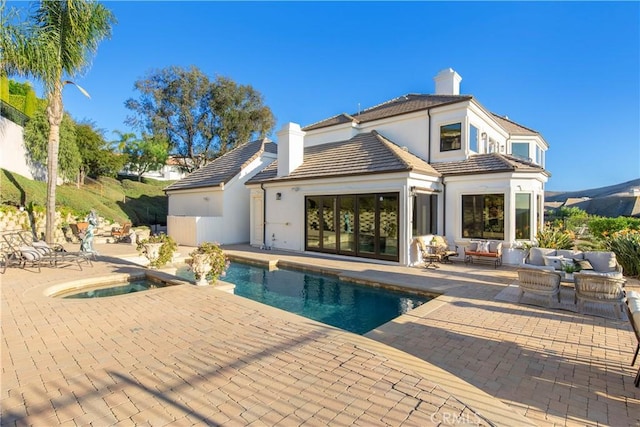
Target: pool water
(346, 305)
(129, 287)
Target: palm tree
(55, 44)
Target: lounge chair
(599, 289)
(40, 253)
(539, 282)
(119, 233)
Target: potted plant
(569, 269)
(158, 249)
(208, 262)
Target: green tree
(146, 154)
(97, 157)
(199, 118)
(36, 139)
(54, 44)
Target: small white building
(212, 203)
(366, 184)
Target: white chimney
(290, 148)
(447, 82)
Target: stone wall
(17, 220)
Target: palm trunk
(54, 113)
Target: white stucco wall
(503, 183)
(341, 132)
(284, 218)
(13, 154)
(409, 131)
(215, 214)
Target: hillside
(142, 203)
(611, 201)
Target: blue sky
(569, 70)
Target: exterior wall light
(278, 196)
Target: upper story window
(473, 138)
(450, 137)
(539, 156)
(520, 149)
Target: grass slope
(116, 200)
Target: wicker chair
(599, 289)
(633, 313)
(540, 282)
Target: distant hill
(611, 201)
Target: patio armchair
(443, 248)
(599, 289)
(539, 282)
(429, 254)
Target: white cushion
(555, 261)
(483, 247)
(603, 262)
(567, 253)
(536, 255)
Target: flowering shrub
(555, 238)
(218, 260)
(169, 246)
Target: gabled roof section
(487, 163)
(225, 167)
(365, 153)
(402, 105)
(512, 127)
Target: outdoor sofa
(602, 263)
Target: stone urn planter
(208, 262)
(152, 252)
(158, 249)
(201, 266)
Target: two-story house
(364, 185)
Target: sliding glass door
(364, 225)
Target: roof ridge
(329, 118)
(390, 146)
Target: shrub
(602, 227)
(556, 238)
(626, 245)
(217, 258)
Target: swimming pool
(327, 299)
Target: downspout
(264, 215)
(429, 137)
(444, 208)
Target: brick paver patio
(187, 355)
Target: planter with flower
(208, 263)
(569, 269)
(158, 249)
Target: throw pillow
(584, 264)
(483, 247)
(554, 261)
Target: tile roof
(402, 105)
(411, 103)
(512, 127)
(365, 153)
(224, 168)
(486, 163)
